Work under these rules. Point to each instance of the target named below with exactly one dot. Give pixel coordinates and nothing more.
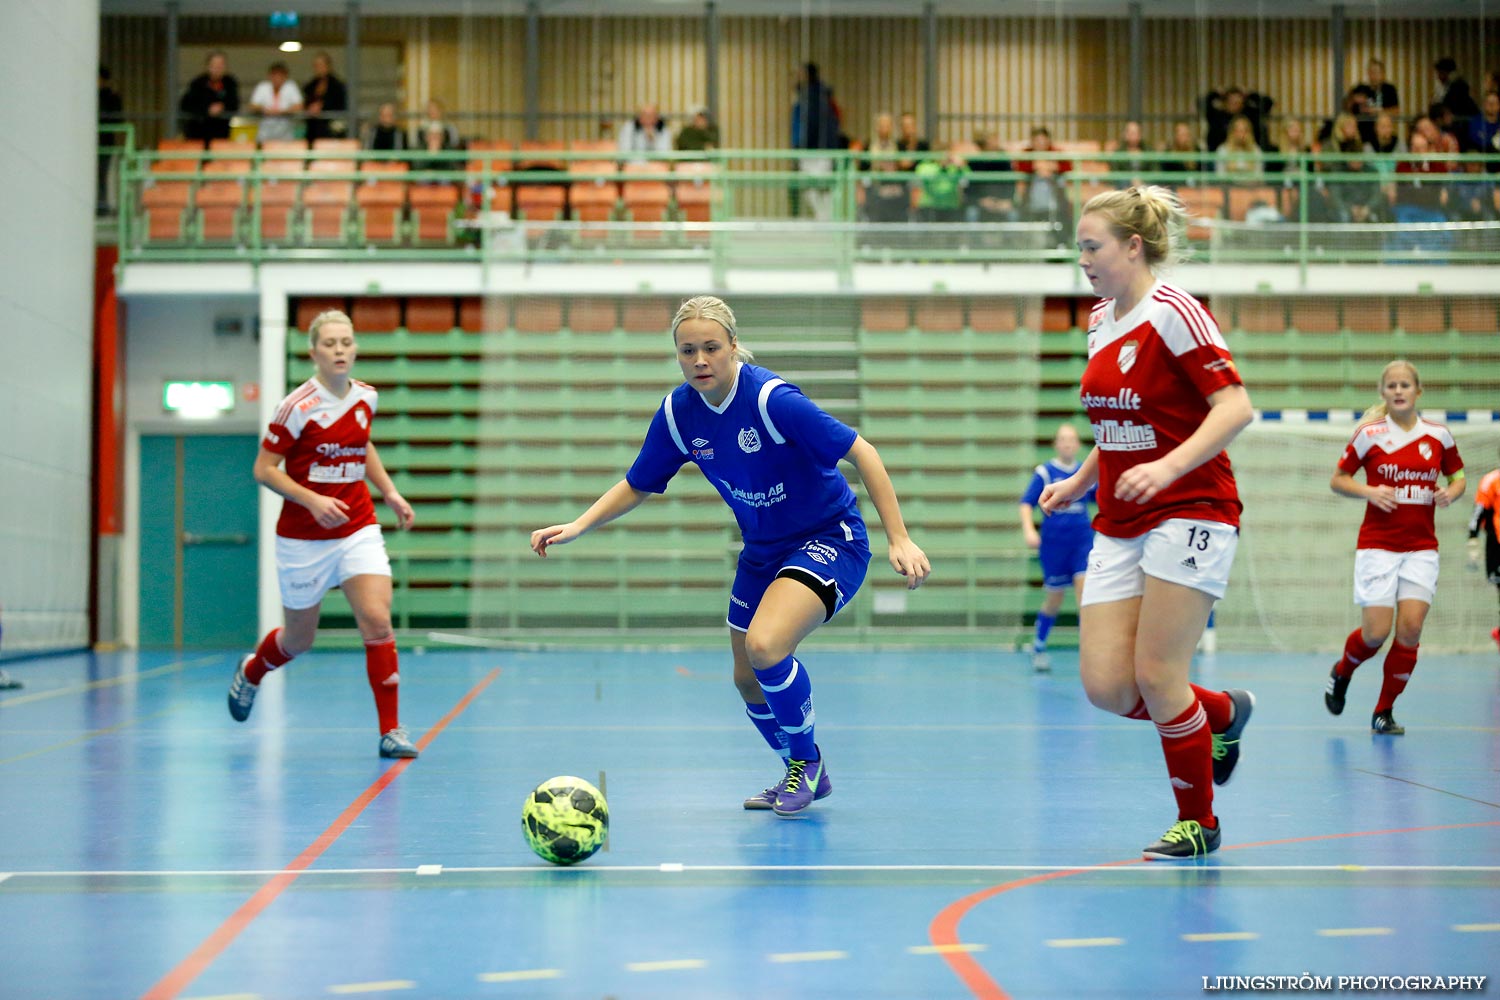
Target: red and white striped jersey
(1408, 461)
(1146, 391)
(323, 440)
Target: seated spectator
(277, 99)
(1388, 144)
(886, 199)
(325, 99)
(1453, 90)
(941, 183)
(1043, 196)
(1438, 125)
(1484, 130)
(1473, 198)
(1420, 198)
(990, 198)
(700, 135)
(1135, 162)
(1239, 156)
(1220, 110)
(386, 133)
(1186, 152)
(1291, 151)
(211, 98)
(1357, 196)
(911, 142)
(436, 136)
(1356, 108)
(645, 133)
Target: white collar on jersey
(1135, 311)
(1399, 438)
(734, 388)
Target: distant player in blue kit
(1064, 541)
(773, 456)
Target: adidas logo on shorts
(1189, 563)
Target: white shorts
(307, 568)
(1382, 578)
(1196, 554)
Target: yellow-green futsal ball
(565, 820)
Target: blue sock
(789, 693)
(770, 730)
(1044, 623)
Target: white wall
(173, 337)
(49, 57)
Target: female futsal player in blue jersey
(773, 456)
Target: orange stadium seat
(994, 315)
(538, 315)
(1241, 199)
(495, 159)
(647, 200)
(483, 315)
(1260, 314)
(1423, 314)
(694, 191)
(1315, 314)
(607, 147)
(430, 314)
(885, 315)
(280, 185)
(1474, 314)
(541, 202)
(167, 203)
(1056, 316)
(1201, 203)
(433, 208)
(537, 154)
(376, 314)
(647, 315)
(308, 309)
(1367, 314)
(326, 203)
(381, 200)
(331, 145)
(940, 315)
(221, 202)
(594, 199)
(589, 315)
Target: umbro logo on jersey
(700, 442)
(749, 441)
(1189, 563)
(1127, 356)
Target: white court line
(944, 949)
(1475, 928)
(675, 868)
(519, 975)
(1099, 942)
(670, 965)
(384, 986)
(1355, 931)
(807, 956)
(1223, 936)
(5, 875)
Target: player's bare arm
(377, 475)
(329, 512)
(906, 557)
(1345, 485)
(619, 500)
(1058, 495)
(1229, 412)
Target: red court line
(943, 931)
(190, 968)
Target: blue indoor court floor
(982, 839)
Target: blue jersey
(1072, 520)
(769, 450)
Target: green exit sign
(197, 399)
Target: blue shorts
(1064, 557)
(832, 564)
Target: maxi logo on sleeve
(764, 498)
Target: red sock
(1188, 747)
(268, 656)
(385, 679)
(1217, 706)
(1399, 663)
(1139, 712)
(1355, 653)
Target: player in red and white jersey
(1484, 533)
(327, 535)
(1165, 400)
(1396, 561)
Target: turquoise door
(199, 524)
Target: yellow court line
(1472, 928)
(1102, 942)
(519, 975)
(1354, 931)
(945, 949)
(671, 965)
(1223, 936)
(86, 737)
(170, 668)
(380, 987)
(807, 956)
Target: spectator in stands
(645, 133)
(1356, 107)
(1291, 151)
(1186, 152)
(886, 200)
(1381, 97)
(211, 98)
(386, 133)
(940, 187)
(1043, 196)
(1354, 197)
(911, 142)
(277, 99)
(815, 126)
(1420, 198)
(1240, 156)
(325, 100)
(991, 198)
(1473, 198)
(111, 112)
(699, 135)
(1388, 143)
(1439, 126)
(1453, 90)
(1484, 128)
(1135, 161)
(435, 123)
(1220, 110)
